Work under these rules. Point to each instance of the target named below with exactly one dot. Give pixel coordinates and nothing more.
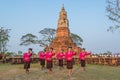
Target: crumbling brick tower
(63, 39)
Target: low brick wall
(112, 61)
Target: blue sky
(87, 18)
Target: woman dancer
(82, 55)
(49, 56)
(42, 59)
(60, 56)
(69, 54)
(26, 59)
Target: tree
(76, 39)
(113, 14)
(4, 38)
(109, 52)
(46, 37)
(28, 39)
(20, 53)
(10, 54)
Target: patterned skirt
(69, 64)
(61, 63)
(49, 65)
(26, 65)
(42, 61)
(82, 63)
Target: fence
(112, 61)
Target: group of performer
(48, 56)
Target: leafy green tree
(4, 38)
(113, 14)
(28, 39)
(46, 36)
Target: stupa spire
(63, 21)
(63, 7)
(63, 25)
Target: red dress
(26, 59)
(48, 58)
(42, 58)
(82, 58)
(69, 56)
(60, 56)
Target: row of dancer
(47, 56)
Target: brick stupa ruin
(63, 39)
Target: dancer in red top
(49, 56)
(60, 56)
(69, 54)
(82, 55)
(26, 59)
(42, 59)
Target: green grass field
(94, 72)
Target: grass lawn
(94, 72)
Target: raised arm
(88, 53)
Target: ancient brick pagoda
(63, 39)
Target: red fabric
(83, 54)
(26, 57)
(60, 56)
(69, 55)
(42, 55)
(49, 56)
